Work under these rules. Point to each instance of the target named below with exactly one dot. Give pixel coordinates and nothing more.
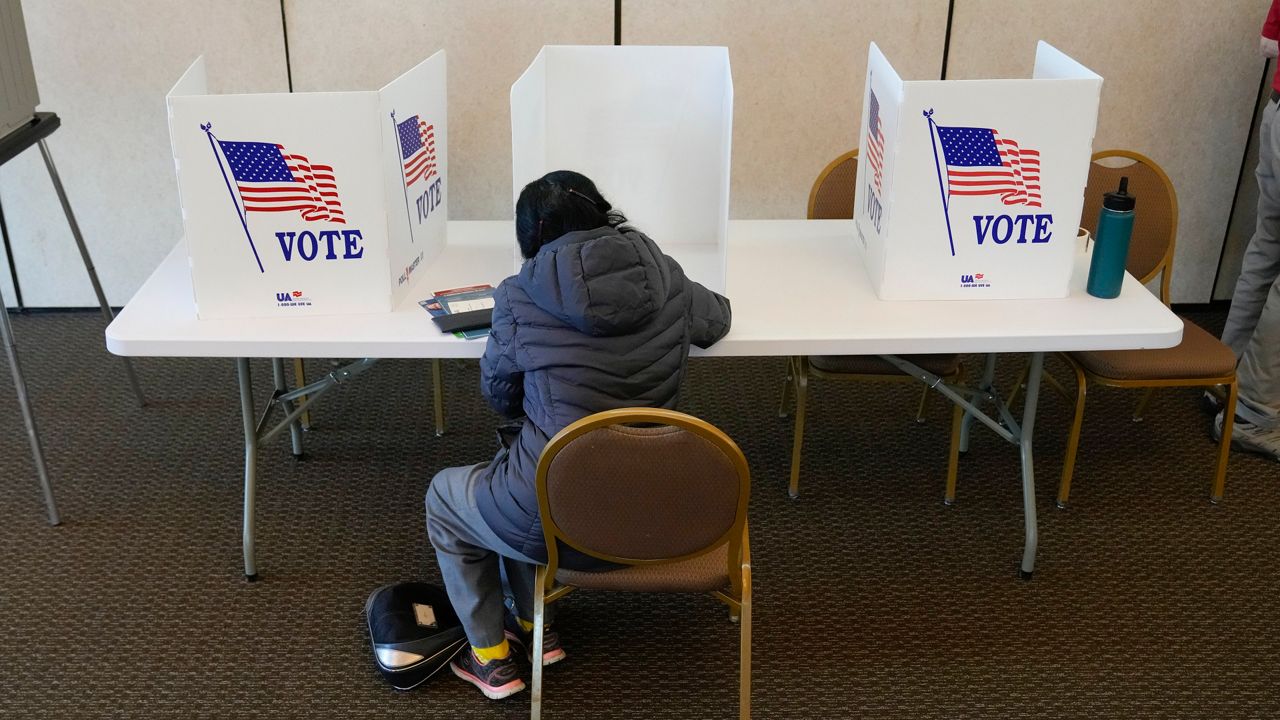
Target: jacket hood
(602, 282)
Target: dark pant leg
(470, 554)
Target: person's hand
(1270, 48)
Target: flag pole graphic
(941, 190)
(395, 132)
(208, 130)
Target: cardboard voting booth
(311, 203)
(972, 189)
(651, 126)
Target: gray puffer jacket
(598, 319)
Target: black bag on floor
(414, 630)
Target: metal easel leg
(88, 263)
(1028, 466)
(250, 464)
(8, 255)
(295, 427)
(24, 402)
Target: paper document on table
(460, 300)
(461, 306)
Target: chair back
(667, 492)
(1155, 225)
(832, 195)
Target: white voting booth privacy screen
(972, 189)
(650, 125)
(310, 203)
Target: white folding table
(797, 286)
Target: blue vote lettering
(307, 245)
(429, 200)
(1003, 228)
(874, 209)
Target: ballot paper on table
(460, 300)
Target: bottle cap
(1120, 200)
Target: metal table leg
(1002, 423)
(250, 464)
(295, 427)
(1028, 467)
(258, 430)
(984, 386)
(88, 263)
(437, 385)
(299, 380)
(20, 387)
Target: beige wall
(488, 43)
(104, 66)
(798, 71)
(1245, 215)
(1180, 79)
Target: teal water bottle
(1111, 243)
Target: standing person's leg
(1261, 263)
(466, 550)
(1257, 425)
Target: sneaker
(1251, 438)
(552, 652)
(497, 679)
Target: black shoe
(552, 652)
(497, 679)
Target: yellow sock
(525, 624)
(497, 652)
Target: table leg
(295, 427)
(33, 435)
(250, 464)
(1028, 469)
(437, 385)
(988, 376)
(88, 263)
(300, 380)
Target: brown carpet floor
(872, 599)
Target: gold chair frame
(822, 178)
(800, 370)
(437, 397)
(738, 597)
(1164, 268)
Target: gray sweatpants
(477, 566)
(1253, 325)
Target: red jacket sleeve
(1271, 28)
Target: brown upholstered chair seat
(705, 573)
(652, 495)
(875, 365)
(1198, 355)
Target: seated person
(597, 319)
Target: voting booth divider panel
(311, 203)
(972, 189)
(652, 126)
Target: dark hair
(557, 203)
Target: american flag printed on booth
(270, 179)
(417, 149)
(875, 142)
(980, 162)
